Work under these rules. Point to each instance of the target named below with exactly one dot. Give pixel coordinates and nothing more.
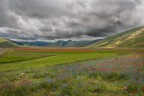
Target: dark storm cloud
(5, 19)
(62, 19)
(38, 8)
(100, 32)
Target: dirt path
(2, 51)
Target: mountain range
(60, 43)
(133, 38)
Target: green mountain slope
(5, 43)
(133, 38)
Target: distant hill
(5, 43)
(133, 38)
(60, 43)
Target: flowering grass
(110, 76)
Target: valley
(104, 68)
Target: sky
(68, 19)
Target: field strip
(54, 60)
(19, 61)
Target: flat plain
(38, 71)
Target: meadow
(71, 72)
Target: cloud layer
(68, 19)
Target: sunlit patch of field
(71, 72)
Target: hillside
(133, 38)
(5, 43)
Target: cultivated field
(71, 72)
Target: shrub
(115, 76)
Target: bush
(115, 76)
(109, 76)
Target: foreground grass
(118, 76)
(72, 73)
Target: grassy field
(22, 58)
(71, 72)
